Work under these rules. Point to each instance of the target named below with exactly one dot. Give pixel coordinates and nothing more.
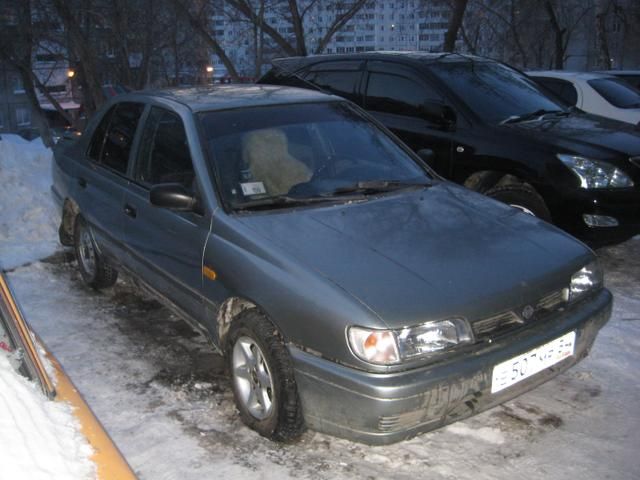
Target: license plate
(527, 364)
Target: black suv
(487, 126)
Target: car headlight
(588, 278)
(386, 347)
(596, 173)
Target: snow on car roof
(568, 75)
(223, 97)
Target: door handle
(129, 210)
(82, 182)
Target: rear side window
(112, 140)
(561, 88)
(617, 92)
(119, 138)
(97, 141)
(164, 154)
(396, 94)
(343, 84)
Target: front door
(166, 247)
(395, 95)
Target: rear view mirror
(440, 114)
(172, 196)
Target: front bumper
(380, 409)
(621, 204)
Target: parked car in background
(596, 93)
(492, 129)
(630, 76)
(351, 289)
(23, 431)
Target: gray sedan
(351, 289)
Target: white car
(597, 93)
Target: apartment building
(379, 25)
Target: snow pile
(28, 218)
(40, 439)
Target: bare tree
(196, 17)
(295, 12)
(16, 48)
(458, 8)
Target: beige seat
(266, 155)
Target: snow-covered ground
(40, 438)
(162, 394)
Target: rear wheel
(94, 268)
(264, 387)
(522, 197)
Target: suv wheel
(264, 387)
(94, 269)
(523, 197)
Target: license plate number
(529, 363)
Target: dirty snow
(163, 396)
(40, 438)
(27, 215)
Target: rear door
(395, 95)
(101, 178)
(166, 246)
(342, 78)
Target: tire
(94, 268)
(264, 387)
(522, 197)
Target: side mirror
(173, 196)
(440, 114)
(427, 155)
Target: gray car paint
(394, 260)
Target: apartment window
(23, 117)
(16, 83)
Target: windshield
(316, 152)
(617, 92)
(493, 91)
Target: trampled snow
(164, 397)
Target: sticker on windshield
(253, 188)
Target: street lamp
(71, 73)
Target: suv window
(617, 92)
(396, 94)
(341, 83)
(561, 88)
(164, 154)
(119, 136)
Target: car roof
(568, 75)
(621, 73)
(415, 57)
(223, 97)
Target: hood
(417, 256)
(585, 134)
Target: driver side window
(164, 154)
(396, 94)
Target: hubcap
(87, 252)
(252, 378)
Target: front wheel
(522, 197)
(94, 268)
(264, 387)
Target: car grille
(510, 320)
(635, 161)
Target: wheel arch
(70, 210)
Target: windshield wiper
(529, 116)
(375, 186)
(283, 201)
